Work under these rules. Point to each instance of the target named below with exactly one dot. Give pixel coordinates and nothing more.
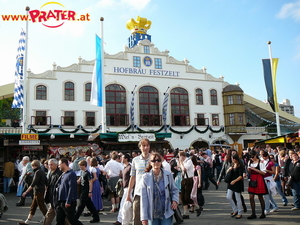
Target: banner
(97, 84)
(270, 81)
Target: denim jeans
(235, 207)
(6, 188)
(218, 170)
(279, 189)
(296, 193)
(161, 222)
(269, 199)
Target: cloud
(290, 10)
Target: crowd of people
(146, 186)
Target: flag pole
(275, 96)
(103, 81)
(25, 76)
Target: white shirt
(188, 165)
(113, 168)
(262, 166)
(166, 166)
(20, 166)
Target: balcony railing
(15, 130)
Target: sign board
(32, 148)
(29, 142)
(29, 137)
(124, 137)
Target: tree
(7, 112)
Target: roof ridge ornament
(140, 25)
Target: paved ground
(216, 211)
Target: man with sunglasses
(139, 163)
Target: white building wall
(188, 78)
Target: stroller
(3, 205)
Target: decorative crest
(141, 25)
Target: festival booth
(288, 140)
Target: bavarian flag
(97, 82)
(270, 81)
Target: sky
(228, 37)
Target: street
(216, 211)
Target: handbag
(228, 177)
(253, 183)
(177, 212)
(177, 215)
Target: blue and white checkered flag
(164, 110)
(19, 79)
(132, 110)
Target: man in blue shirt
(66, 195)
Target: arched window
(41, 92)
(213, 97)
(116, 105)
(199, 96)
(87, 91)
(149, 106)
(69, 91)
(180, 107)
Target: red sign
(32, 148)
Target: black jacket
(295, 171)
(52, 180)
(39, 181)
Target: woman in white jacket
(158, 188)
